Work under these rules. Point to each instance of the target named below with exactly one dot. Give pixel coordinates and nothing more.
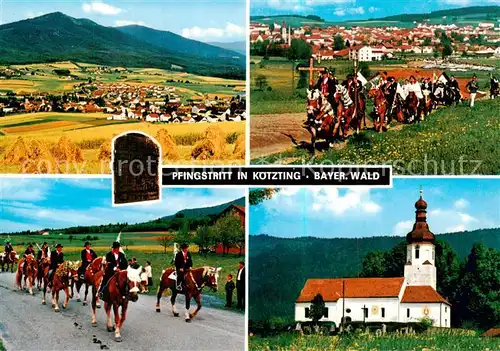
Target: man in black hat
(183, 263)
(240, 286)
(87, 256)
(115, 262)
(327, 86)
(43, 252)
(56, 258)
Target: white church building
(405, 299)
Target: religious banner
(136, 169)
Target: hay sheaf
(168, 146)
(240, 147)
(67, 151)
(105, 152)
(17, 153)
(40, 159)
(211, 146)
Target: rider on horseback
(44, 252)
(56, 258)
(8, 248)
(183, 263)
(29, 251)
(327, 85)
(115, 262)
(454, 88)
(87, 256)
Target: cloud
(324, 201)
(231, 30)
(20, 189)
(372, 9)
(101, 8)
(339, 11)
(402, 228)
(327, 2)
(121, 23)
(461, 204)
(32, 14)
(457, 2)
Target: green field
(142, 246)
(421, 342)
(451, 141)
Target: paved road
(26, 324)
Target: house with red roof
(400, 299)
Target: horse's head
(133, 282)
(313, 100)
(73, 269)
(211, 277)
(13, 256)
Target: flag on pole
(362, 79)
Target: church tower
(420, 268)
(284, 31)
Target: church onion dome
(420, 232)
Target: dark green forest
(279, 267)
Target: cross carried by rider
(311, 70)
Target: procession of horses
(333, 108)
(122, 286)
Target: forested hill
(57, 37)
(485, 12)
(279, 267)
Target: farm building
(238, 211)
(401, 299)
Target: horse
(412, 107)
(31, 272)
(43, 271)
(346, 110)
(60, 281)
(360, 102)
(195, 280)
(380, 108)
(317, 107)
(123, 287)
(92, 277)
(9, 259)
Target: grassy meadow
(144, 247)
(41, 78)
(456, 140)
(444, 342)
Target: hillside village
(122, 101)
(384, 42)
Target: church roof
(420, 232)
(423, 293)
(331, 289)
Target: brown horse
(61, 281)
(43, 271)
(345, 114)
(380, 107)
(93, 277)
(412, 107)
(195, 281)
(10, 260)
(319, 123)
(122, 288)
(31, 271)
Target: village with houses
(126, 101)
(368, 44)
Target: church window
(348, 310)
(433, 254)
(417, 252)
(307, 312)
(366, 311)
(325, 312)
(408, 313)
(445, 322)
(383, 312)
(446, 309)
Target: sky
(35, 204)
(203, 20)
(453, 205)
(340, 10)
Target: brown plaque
(136, 167)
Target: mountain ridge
(57, 37)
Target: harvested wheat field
(79, 143)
